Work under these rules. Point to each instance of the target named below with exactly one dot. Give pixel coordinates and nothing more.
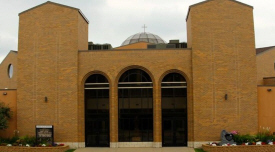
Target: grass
(70, 150)
(199, 150)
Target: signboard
(44, 134)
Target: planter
(33, 149)
(241, 148)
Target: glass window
(143, 35)
(97, 111)
(10, 71)
(174, 110)
(136, 36)
(135, 96)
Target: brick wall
(50, 36)
(113, 63)
(33, 149)
(266, 107)
(223, 62)
(265, 65)
(6, 81)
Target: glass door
(97, 111)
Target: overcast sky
(112, 21)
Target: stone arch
(95, 72)
(174, 71)
(134, 67)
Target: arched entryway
(174, 110)
(97, 111)
(135, 109)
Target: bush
(264, 135)
(5, 114)
(16, 141)
(8, 140)
(28, 140)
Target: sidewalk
(166, 149)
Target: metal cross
(144, 27)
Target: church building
(148, 92)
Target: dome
(143, 37)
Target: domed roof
(143, 37)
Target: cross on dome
(144, 27)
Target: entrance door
(97, 111)
(173, 132)
(174, 110)
(135, 107)
(97, 132)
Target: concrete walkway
(172, 149)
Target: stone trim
(135, 144)
(117, 144)
(73, 144)
(198, 144)
(157, 144)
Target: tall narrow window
(10, 71)
(174, 110)
(97, 111)
(135, 96)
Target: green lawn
(199, 150)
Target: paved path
(173, 149)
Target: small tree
(5, 115)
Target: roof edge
(133, 43)
(265, 50)
(58, 5)
(46, 3)
(206, 1)
(84, 17)
(11, 51)
(80, 51)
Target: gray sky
(112, 21)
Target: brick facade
(223, 62)
(6, 81)
(53, 62)
(265, 65)
(157, 63)
(50, 36)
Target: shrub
(264, 135)
(28, 140)
(5, 114)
